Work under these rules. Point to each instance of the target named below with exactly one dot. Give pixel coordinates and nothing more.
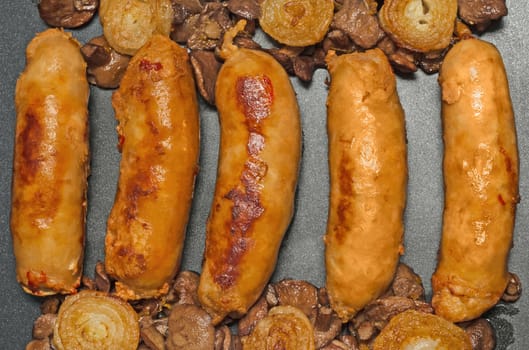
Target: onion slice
(285, 327)
(414, 330)
(296, 22)
(96, 320)
(419, 25)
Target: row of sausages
(260, 147)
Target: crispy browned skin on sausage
(157, 110)
(256, 180)
(368, 173)
(50, 166)
(481, 182)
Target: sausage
(50, 168)
(257, 175)
(368, 179)
(481, 182)
(157, 110)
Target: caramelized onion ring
(96, 320)
(417, 330)
(296, 22)
(419, 25)
(284, 327)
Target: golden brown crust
(256, 180)
(157, 110)
(481, 182)
(368, 173)
(419, 25)
(50, 165)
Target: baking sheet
(301, 255)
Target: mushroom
(67, 13)
(105, 65)
(190, 327)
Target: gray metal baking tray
(301, 254)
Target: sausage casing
(481, 181)
(257, 173)
(157, 110)
(50, 166)
(368, 176)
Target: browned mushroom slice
(211, 24)
(481, 334)
(101, 278)
(43, 326)
(205, 68)
(327, 326)
(256, 313)
(297, 293)
(419, 25)
(152, 338)
(513, 290)
(67, 13)
(38, 344)
(285, 327)
(358, 19)
(407, 283)
(480, 13)
(247, 9)
(190, 328)
(224, 340)
(105, 68)
(185, 288)
(296, 22)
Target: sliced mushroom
(184, 8)
(327, 326)
(205, 68)
(480, 13)
(297, 293)
(212, 22)
(43, 326)
(257, 312)
(184, 289)
(304, 67)
(152, 338)
(101, 278)
(407, 283)
(39, 344)
(358, 19)
(50, 305)
(338, 345)
(338, 41)
(105, 66)
(88, 283)
(247, 9)
(513, 290)
(190, 328)
(481, 334)
(224, 339)
(67, 13)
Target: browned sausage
(50, 165)
(481, 182)
(157, 110)
(368, 173)
(256, 179)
